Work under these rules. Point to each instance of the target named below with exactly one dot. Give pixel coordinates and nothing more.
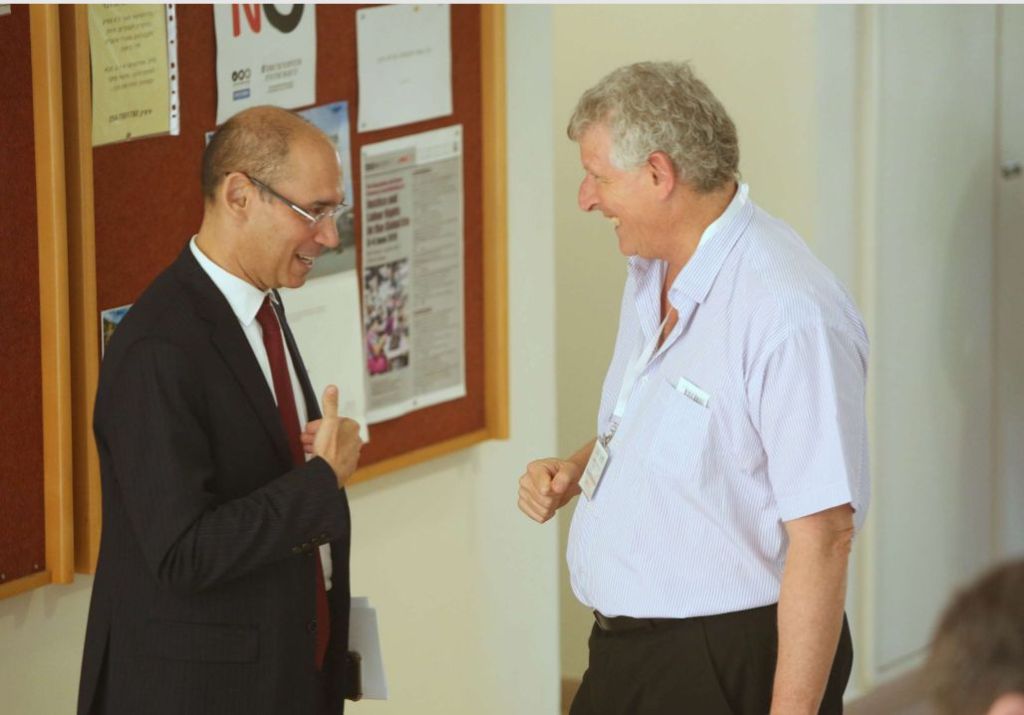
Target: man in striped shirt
(729, 472)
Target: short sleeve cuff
(812, 501)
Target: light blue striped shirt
(688, 518)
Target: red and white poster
(266, 54)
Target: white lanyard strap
(636, 366)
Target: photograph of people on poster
(387, 326)
(332, 120)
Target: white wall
(465, 586)
(929, 269)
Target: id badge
(595, 469)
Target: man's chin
(626, 248)
(294, 281)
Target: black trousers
(713, 665)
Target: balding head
(256, 142)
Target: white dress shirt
(750, 414)
(245, 300)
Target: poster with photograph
(412, 244)
(266, 54)
(332, 120)
(324, 313)
(109, 320)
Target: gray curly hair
(662, 106)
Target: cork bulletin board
(144, 204)
(35, 477)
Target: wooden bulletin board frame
(490, 397)
(53, 307)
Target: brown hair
(977, 652)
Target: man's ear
(235, 193)
(663, 173)
(1008, 704)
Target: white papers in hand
(364, 638)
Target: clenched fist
(547, 485)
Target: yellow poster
(131, 86)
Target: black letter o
(284, 23)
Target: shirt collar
(244, 298)
(739, 200)
(694, 281)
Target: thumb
(330, 402)
(563, 479)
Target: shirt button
(311, 626)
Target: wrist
(788, 706)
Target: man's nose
(586, 198)
(327, 233)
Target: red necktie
(290, 421)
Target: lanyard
(637, 364)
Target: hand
(308, 435)
(547, 485)
(336, 439)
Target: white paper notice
(324, 316)
(364, 638)
(324, 313)
(412, 238)
(265, 55)
(405, 64)
(133, 57)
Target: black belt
(621, 624)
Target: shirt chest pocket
(680, 437)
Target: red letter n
(252, 16)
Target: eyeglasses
(313, 219)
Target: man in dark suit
(210, 596)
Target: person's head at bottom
(272, 190)
(976, 662)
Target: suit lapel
(228, 338)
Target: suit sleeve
(154, 428)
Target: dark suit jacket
(204, 598)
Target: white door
(930, 278)
(1010, 285)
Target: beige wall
(41, 636)
(464, 585)
(760, 61)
